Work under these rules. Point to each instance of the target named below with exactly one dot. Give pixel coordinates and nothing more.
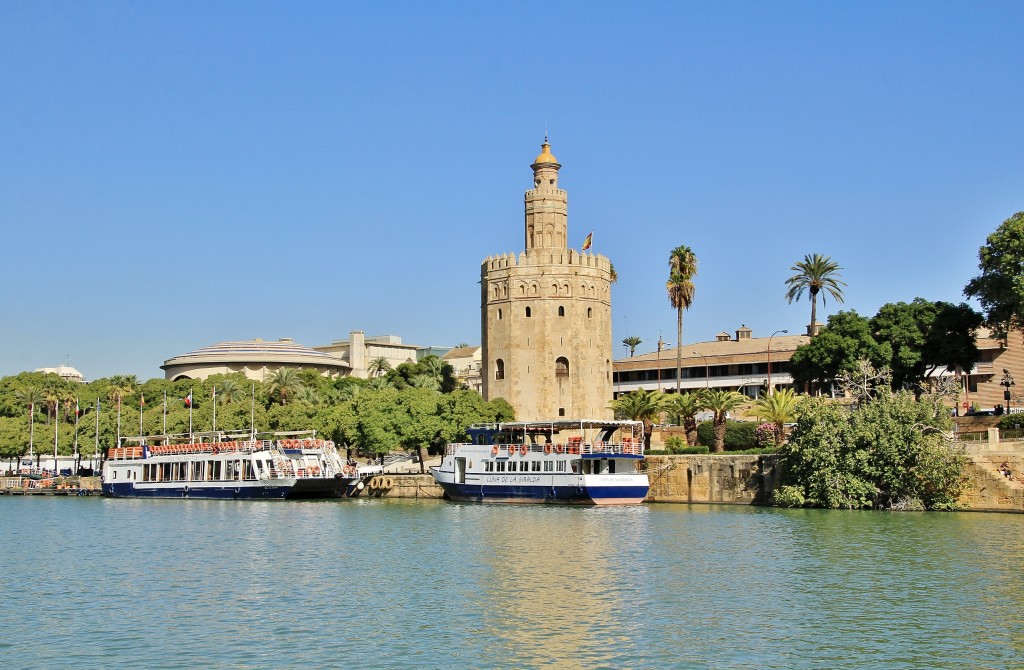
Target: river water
(96, 583)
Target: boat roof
(564, 424)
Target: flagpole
(96, 449)
(252, 414)
(165, 416)
(215, 408)
(190, 413)
(56, 424)
(142, 404)
(77, 464)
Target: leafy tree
(641, 405)
(684, 408)
(837, 348)
(889, 452)
(999, 288)
(738, 435)
(682, 264)
(378, 367)
(720, 402)
(230, 390)
(778, 408)
(632, 342)
(814, 274)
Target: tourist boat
(586, 462)
(219, 465)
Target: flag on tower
(588, 241)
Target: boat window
(560, 466)
(549, 466)
(524, 466)
(535, 466)
(488, 466)
(501, 466)
(611, 467)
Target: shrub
(1012, 421)
(738, 435)
(790, 496)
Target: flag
(188, 399)
(142, 400)
(587, 242)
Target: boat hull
(629, 494)
(277, 490)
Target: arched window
(499, 369)
(499, 314)
(562, 367)
(528, 313)
(561, 311)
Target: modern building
(742, 363)
(467, 362)
(993, 379)
(546, 314)
(65, 372)
(359, 352)
(257, 359)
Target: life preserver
(494, 450)
(560, 448)
(523, 449)
(547, 448)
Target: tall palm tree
(30, 396)
(121, 386)
(684, 408)
(815, 273)
(425, 380)
(641, 405)
(285, 383)
(682, 265)
(779, 408)
(378, 367)
(632, 342)
(721, 402)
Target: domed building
(257, 359)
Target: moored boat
(586, 462)
(219, 465)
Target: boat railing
(628, 447)
(131, 453)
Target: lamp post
(707, 370)
(661, 345)
(1007, 382)
(771, 391)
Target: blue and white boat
(218, 465)
(585, 462)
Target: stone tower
(546, 316)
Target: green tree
(682, 264)
(632, 342)
(285, 383)
(890, 452)
(641, 405)
(720, 402)
(999, 287)
(378, 367)
(814, 274)
(836, 349)
(684, 408)
(778, 408)
(229, 391)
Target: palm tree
(378, 367)
(30, 396)
(814, 274)
(684, 408)
(641, 405)
(308, 395)
(425, 380)
(632, 342)
(230, 391)
(285, 382)
(121, 386)
(778, 408)
(682, 264)
(721, 402)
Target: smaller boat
(584, 462)
(219, 465)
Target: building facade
(743, 363)
(257, 359)
(546, 314)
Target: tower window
(590, 312)
(499, 314)
(499, 369)
(561, 311)
(562, 367)
(561, 411)
(528, 313)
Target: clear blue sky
(176, 174)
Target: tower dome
(545, 155)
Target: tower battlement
(537, 257)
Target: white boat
(219, 465)
(587, 462)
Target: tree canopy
(1000, 286)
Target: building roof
(783, 344)
(545, 155)
(461, 352)
(284, 350)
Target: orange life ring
(560, 448)
(494, 450)
(547, 448)
(523, 449)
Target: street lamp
(771, 391)
(707, 377)
(661, 345)
(1007, 382)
